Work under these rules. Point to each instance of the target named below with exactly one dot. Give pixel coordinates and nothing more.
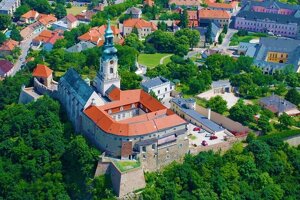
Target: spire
(108, 47)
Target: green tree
(129, 80)
(225, 29)
(192, 35)
(217, 104)
(208, 34)
(264, 124)
(60, 11)
(15, 35)
(182, 46)
(132, 40)
(242, 113)
(5, 21)
(69, 5)
(285, 120)
(135, 31)
(293, 96)
(184, 21)
(220, 39)
(2, 38)
(280, 89)
(21, 10)
(161, 25)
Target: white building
(8, 7)
(161, 87)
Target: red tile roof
(213, 14)
(47, 36)
(157, 118)
(149, 2)
(71, 18)
(230, 5)
(42, 71)
(139, 23)
(185, 2)
(8, 45)
(47, 19)
(30, 14)
(96, 35)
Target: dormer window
(121, 108)
(132, 105)
(109, 111)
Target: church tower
(108, 72)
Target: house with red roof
(47, 39)
(96, 35)
(193, 18)
(220, 17)
(67, 23)
(43, 74)
(230, 7)
(143, 27)
(149, 3)
(186, 3)
(30, 17)
(7, 47)
(6, 68)
(85, 16)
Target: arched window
(111, 70)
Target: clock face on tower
(111, 62)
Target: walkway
(163, 58)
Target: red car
(197, 129)
(213, 137)
(204, 143)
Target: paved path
(226, 40)
(25, 45)
(163, 58)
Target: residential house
(99, 8)
(273, 54)
(6, 68)
(143, 27)
(278, 105)
(209, 52)
(96, 35)
(85, 16)
(134, 12)
(220, 17)
(149, 3)
(81, 46)
(44, 22)
(7, 47)
(193, 18)
(67, 23)
(229, 7)
(8, 7)
(47, 39)
(172, 25)
(30, 17)
(160, 86)
(270, 17)
(186, 3)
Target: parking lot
(196, 137)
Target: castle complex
(126, 125)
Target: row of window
(265, 25)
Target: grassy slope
(152, 60)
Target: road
(25, 45)
(226, 40)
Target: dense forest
(262, 170)
(40, 156)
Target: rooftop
(277, 104)
(182, 103)
(185, 2)
(139, 23)
(154, 82)
(8, 45)
(230, 5)
(30, 14)
(156, 118)
(81, 46)
(5, 66)
(47, 36)
(71, 18)
(133, 10)
(73, 80)
(213, 14)
(42, 71)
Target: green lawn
(235, 40)
(76, 9)
(127, 164)
(152, 60)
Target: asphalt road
(25, 45)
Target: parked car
(202, 131)
(213, 137)
(204, 143)
(197, 129)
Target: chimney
(209, 113)
(93, 102)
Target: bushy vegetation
(262, 170)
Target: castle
(125, 125)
